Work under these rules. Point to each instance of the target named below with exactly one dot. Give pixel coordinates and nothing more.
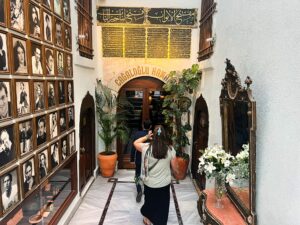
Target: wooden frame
(59, 63)
(4, 50)
(235, 97)
(68, 65)
(7, 142)
(62, 121)
(53, 124)
(47, 26)
(41, 130)
(36, 59)
(71, 117)
(67, 37)
(20, 55)
(42, 159)
(64, 148)
(3, 13)
(51, 94)
(25, 136)
(49, 61)
(48, 4)
(34, 21)
(72, 142)
(61, 92)
(29, 178)
(70, 92)
(54, 155)
(59, 32)
(39, 95)
(66, 11)
(57, 7)
(6, 95)
(8, 203)
(23, 99)
(18, 18)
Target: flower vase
(219, 190)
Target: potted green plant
(111, 117)
(179, 88)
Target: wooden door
(87, 140)
(146, 96)
(200, 138)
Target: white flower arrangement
(216, 162)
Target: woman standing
(156, 158)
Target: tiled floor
(123, 208)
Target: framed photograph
(58, 7)
(29, 176)
(62, 121)
(61, 92)
(69, 65)
(25, 134)
(64, 148)
(54, 155)
(68, 37)
(23, 102)
(8, 150)
(43, 163)
(71, 140)
(41, 130)
(39, 95)
(36, 59)
(3, 12)
(47, 3)
(60, 63)
(66, 11)
(4, 67)
(71, 117)
(58, 25)
(51, 94)
(53, 122)
(5, 96)
(70, 92)
(48, 28)
(10, 191)
(34, 16)
(17, 15)
(49, 61)
(19, 55)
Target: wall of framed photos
(37, 130)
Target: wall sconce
(82, 37)
(212, 40)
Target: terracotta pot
(181, 166)
(107, 164)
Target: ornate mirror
(238, 112)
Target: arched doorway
(200, 138)
(146, 96)
(87, 140)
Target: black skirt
(156, 206)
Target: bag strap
(151, 167)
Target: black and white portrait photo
(69, 67)
(34, 21)
(62, 120)
(60, 63)
(23, 97)
(64, 148)
(57, 7)
(49, 62)
(61, 92)
(58, 33)
(29, 179)
(19, 56)
(17, 15)
(39, 95)
(10, 190)
(54, 155)
(5, 99)
(2, 11)
(36, 59)
(51, 94)
(66, 10)
(70, 92)
(47, 27)
(7, 148)
(70, 117)
(25, 136)
(43, 163)
(3, 53)
(53, 121)
(71, 139)
(41, 130)
(47, 3)
(68, 40)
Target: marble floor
(112, 202)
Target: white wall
(261, 39)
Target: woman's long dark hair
(159, 143)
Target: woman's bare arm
(138, 143)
